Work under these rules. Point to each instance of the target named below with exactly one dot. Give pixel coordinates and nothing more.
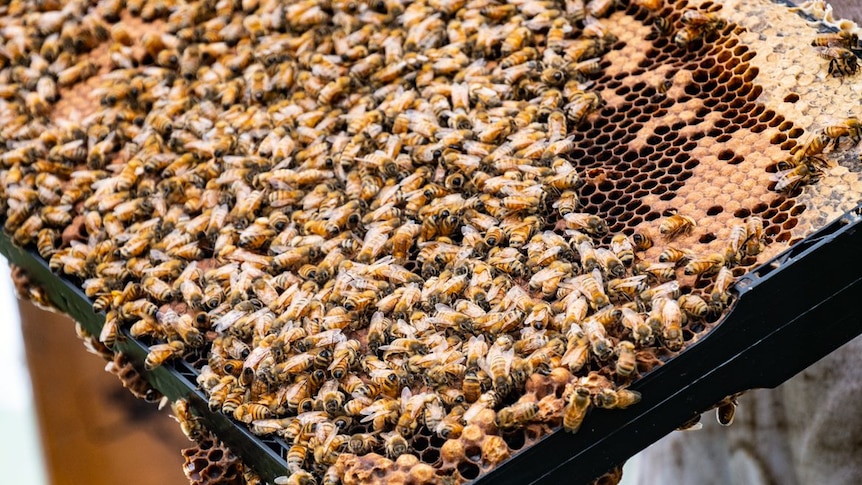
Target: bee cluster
(408, 238)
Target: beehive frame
(708, 139)
(775, 320)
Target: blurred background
(20, 455)
(66, 420)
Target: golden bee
(641, 332)
(706, 265)
(694, 305)
(616, 399)
(719, 296)
(676, 225)
(517, 414)
(577, 405)
(726, 411)
(626, 359)
(842, 62)
(160, 353)
(394, 444)
(696, 25)
(842, 38)
(789, 180)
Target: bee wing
(312, 416)
(636, 281)
(298, 360)
(333, 432)
(474, 410)
(483, 362)
(378, 408)
(544, 275)
(268, 426)
(597, 275)
(227, 320)
(256, 356)
(509, 357)
(406, 395)
(330, 337)
(336, 361)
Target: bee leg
(833, 67)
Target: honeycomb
(131, 378)
(26, 289)
(409, 239)
(210, 462)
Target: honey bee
(843, 38)
(598, 338)
(842, 62)
(626, 359)
(345, 355)
(611, 265)
(593, 225)
(641, 332)
(497, 364)
(517, 414)
(577, 352)
(590, 285)
(616, 399)
(157, 289)
(788, 180)
(160, 353)
(694, 305)
(851, 128)
(296, 456)
(564, 179)
(706, 265)
(362, 443)
(471, 386)
(629, 288)
(623, 249)
(696, 25)
(726, 411)
(394, 444)
(581, 107)
(676, 225)
(719, 296)
(189, 423)
(553, 76)
(641, 241)
(736, 241)
(812, 151)
(754, 241)
(516, 40)
(670, 316)
(248, 412)
(331, 397)
(138, 308)
(76, 73)
(577, 405)
(46, 242)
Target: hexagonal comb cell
(411, 239)
(210, 462)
